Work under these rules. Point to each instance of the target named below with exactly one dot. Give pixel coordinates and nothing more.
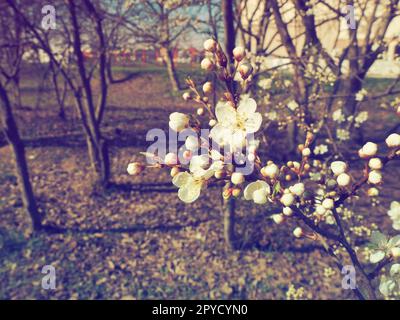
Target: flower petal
(190, 192)
(253, 122)
(181, 179)
(225, 114)
(247, 106)
(376, 256)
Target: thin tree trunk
(229, 29)
(10, 130)
(228, 210)
(169, 61)
(99, 159)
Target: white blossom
(234, 125)
(394, 214)
(257, 191)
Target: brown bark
(10, 130)
(228, 210)
(91, 116)
(229, 29)
(169, 61)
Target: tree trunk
(11, 133)
(228, 210)
(99, 160)
(169, 61)
(229, 29)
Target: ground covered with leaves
(137, 240)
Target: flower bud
(393, 141)
(226, 194)
(343, 180)
(398, 111)
(207, 87)
(271, 171)
(278, 218)
(370, 149)
(306, 152)
(237, 178)
(287, 199)
(298, 232)
(210, 45)
(219, 174)
(239, 53)
(207, 64)
(328, 203)
(297, 189)
(171, 159)
(287, 211)
(178, 121)
(361, 154)
(331, 184)
(135, 168)
(395, 252)
(192, 143)
(212, 123)
(245, 70)
(236, 192)
(200, 111)
(375, 177)
(186, 96)
(373, 192)
(338, 167)
(375, 164)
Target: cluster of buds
(216, 60)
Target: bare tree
(77, 36)
(11, 51)
(160, 24)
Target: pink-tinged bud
(210, 45)
(245, 70)
(236, 192)
(135, 168)
(227, 193)
(207, 64)
(207, 87)
(298, 232)
(187, 155)
(171, 159)
(239, 53)
(398, 111)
